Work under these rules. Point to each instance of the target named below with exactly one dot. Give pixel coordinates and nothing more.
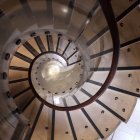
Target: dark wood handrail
(112, 24)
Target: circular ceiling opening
(51, 75)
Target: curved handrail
(109, 15)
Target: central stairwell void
(58, 59)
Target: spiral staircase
(69, 68)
